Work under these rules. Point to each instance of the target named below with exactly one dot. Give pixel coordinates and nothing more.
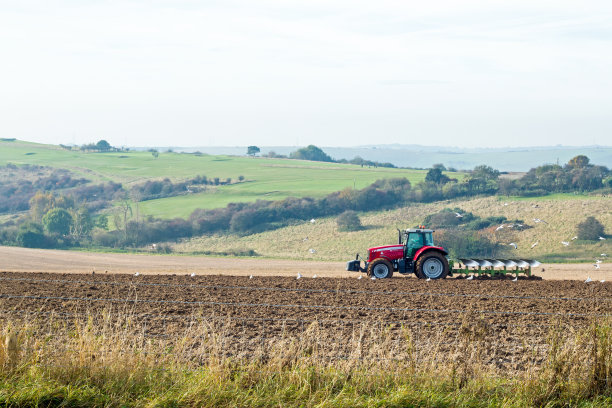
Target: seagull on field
(428, 279)
(312, 221)
(535, 205)
(535, 244)
(193, 275)
(603, 255)
(305, 239)
(312, 251)
(470, 277)
(250, 276)
(601, 238)
(602, 281)
(359, 277)
(299, 275)
(314, 276)
(588, 279)
(500, 227)
(596, 266)
(537, 220)
(458, 215)
(512, 244)
(137, 274)
(565, 243)
(373, 278)
(505, 204)
(515, 279)
(574, 238)
(597, 261)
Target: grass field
(562, 215)
(265, 178)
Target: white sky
(332, 73)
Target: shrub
(349, 221)
(590, 229)
(58, 221)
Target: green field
(268, 179)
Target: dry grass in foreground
(107, 361)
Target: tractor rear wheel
(432, 265)
(380, 268)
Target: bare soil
(512, 320)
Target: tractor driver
(414, 242)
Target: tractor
(415, 253)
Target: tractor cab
(415, 253)
(415, 239)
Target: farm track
(513, 319)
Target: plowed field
(391, 318)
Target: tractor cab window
(415, 240)
(428, 239)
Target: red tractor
(415, 253)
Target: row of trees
(314, 153)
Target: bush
(58, 221)
(590, 229)
(349, 221)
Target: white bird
(500, 227)
(428, 279)
(359, 277)
(601, 238)
(512, 244)
(534, 244)
(373, 278)
(537, 220)
(305, 239)
(515, 279)
(604, 255)
(534, 205)
(193, 275)
(505, 204)
(470, 277)
(597, 261)
(588, 279)
(250, 276)
(314, 276)
(312, 251)
(137, 274)
(602, 281)
(596, 266)
(574, 238)
(312, 221)
(565, 243)
(299, 275)
(458, 215)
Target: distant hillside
(504, 159)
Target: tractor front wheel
(432, 266)
(380, 269)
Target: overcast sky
(331, 73)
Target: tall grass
(108, 361)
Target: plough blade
(494, 267)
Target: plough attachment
(493, 267)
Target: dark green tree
(435, 176)
(31, 235)
(58, 221)
(253, 150)
(103, 146)
(312, 153)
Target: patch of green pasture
(266, 179)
